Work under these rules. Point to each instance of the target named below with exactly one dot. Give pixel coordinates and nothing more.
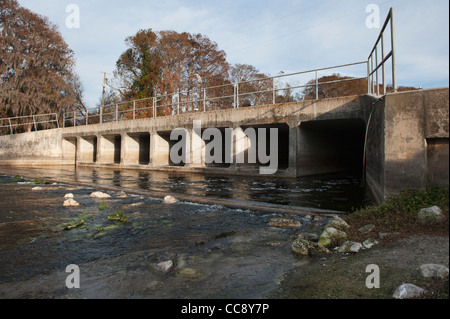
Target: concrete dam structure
(400, 141)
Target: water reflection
(333, 191)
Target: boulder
(330, 235)
(307, 248)
(350, 247)
(99, 195)
(408, 291)
(284, 222)
(71, 203)
(308, 236)
(37, 188)
(434, 271)
(337, 222)
(369, 243)
(430, 215)
(170, 200)
(70, 195)
(165, 266)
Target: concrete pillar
(294, 131)
(129, 149)
(159, 150)
(197, 149)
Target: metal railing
(31, 121)
(260, 91)
(373, 64)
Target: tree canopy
(36, 65)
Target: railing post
(368, 76)
(317, 85)
(371, 77)
(34, 121)
(154, 107)
(10, 126)
(74, 118)
(87, 117)
(204, 100)
(273, 91)
(394, 61)
(57, 121)
(237, 95)
(64, 119)
(134, 110)
(376, 72)
(383, 69)
(101, 114)
(117, 112)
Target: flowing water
(214, 251)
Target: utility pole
(104, 88)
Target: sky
(274, 36)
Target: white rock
(70, 195)
(350, 247)
(165, 266)
(330, 234)
(337, 222)
(430, 214)
(434, 271)
(369, 243)
(407, 291)
(99, 195)
(71, 203)
(37, 188)
(170, 200)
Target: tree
(328, 90)
(36, 65)
(168, 62)
(251, 80)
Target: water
(216, 252)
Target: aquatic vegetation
(70, 226)
(102, 206)
(117, 217)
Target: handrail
(34, 123)
(373, 85)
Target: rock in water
(408, 291)
(99, 195)
(71, 203)
(165, 266)
(349, 247)
(284, 222)
(434, 271)
(70, 195)
(170, 200)
(307, 248)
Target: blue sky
(274, 36)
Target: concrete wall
(408, 141)
(35, 148)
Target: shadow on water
(214, 252)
